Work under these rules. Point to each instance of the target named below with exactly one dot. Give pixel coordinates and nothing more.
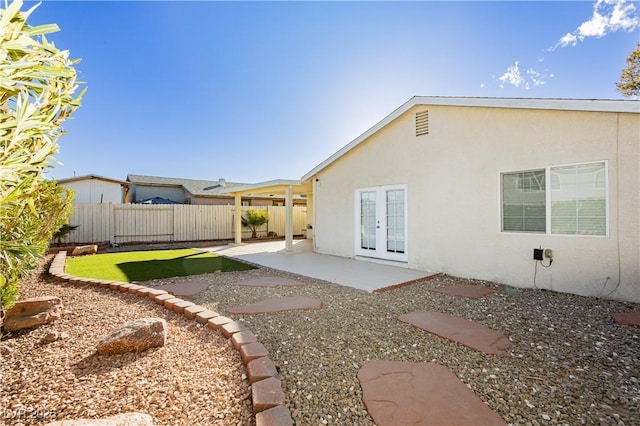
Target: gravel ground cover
(197, 378)
(569, 363)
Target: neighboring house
(96, 189)
(145, 189)
(471, 186)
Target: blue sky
(254, 91)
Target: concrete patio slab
(359, 274)
(469, 333)
(471, 291)
(423, 394)
(278, 304)
(269, 282)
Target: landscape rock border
(267, 398)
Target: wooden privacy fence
(124, 223)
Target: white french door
(381, 222)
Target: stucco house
(144, 189)
(478, 187)
(96, 189)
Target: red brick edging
(406, 283)
(266, 390)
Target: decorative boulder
(129, 419)
(33, 312)
(82, 250)
(135, 336)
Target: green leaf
(43, 29)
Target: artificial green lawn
(149, 265)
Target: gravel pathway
(569, 363)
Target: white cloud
(512, 76)
(608, 16)
(531, 78)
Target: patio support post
(288, 219)
(238, 219)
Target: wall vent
(422, 123)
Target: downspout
(314, 185)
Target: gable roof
(90, 177)
(594, 105)
(196, 187)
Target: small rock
(54, 336)
(82, 250)
(33, 312)
(5, 350)
(135, 336)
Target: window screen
(579, 203)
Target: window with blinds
(574, 204)
(579, 204)
(523, 201)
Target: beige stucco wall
(453, 189)
(254, 202)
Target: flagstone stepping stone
(184, 289)
(269, 282)
(278, 304)
(415, 393)
(469, 333)
(627, 318)
(472, 291)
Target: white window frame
(548, 190)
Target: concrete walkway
(302, 260)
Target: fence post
(238, 221)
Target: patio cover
(287, 186)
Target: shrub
(37, 94)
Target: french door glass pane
(395, 221)
(368, 220)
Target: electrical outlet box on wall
(538, 254)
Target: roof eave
(91, 177)
(277, 185)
